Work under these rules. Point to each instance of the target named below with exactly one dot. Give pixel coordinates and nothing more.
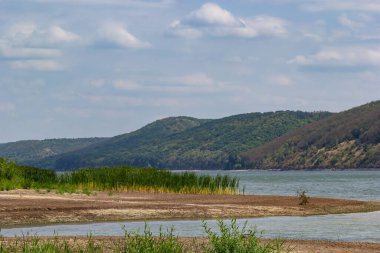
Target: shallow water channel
(346, 227)
(360, 227)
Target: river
(352, 184)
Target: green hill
(26, 151)
(350, 139)
(185, 143)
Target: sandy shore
(25, 207)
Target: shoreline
(26, 208)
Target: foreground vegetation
(13, 176)
(229, 239)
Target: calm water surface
(352, 184)
(361, 227)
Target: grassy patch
(228, 239)
(13, 176)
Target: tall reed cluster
(123, 178)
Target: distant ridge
(30, 150)
(350, 139)
(185, 142)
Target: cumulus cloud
(30, 34)
(211, 15)
(115, 34)
(28, 46)
(349, 56)
(212, 20)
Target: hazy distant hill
(350, 139)
(186, 143)
(24, 151)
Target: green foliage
(232, 239)
(166, 242)
(350, 139)
(13, 176)
(26, 151)
(35, 244)
(186, 143)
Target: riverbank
(107, 244)
(28, 207)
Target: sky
(85, 68)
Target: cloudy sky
(79, 68)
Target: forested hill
(350, 139)
(31, 150)
(185, 143)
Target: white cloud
(211, 15)
(28, 46)
(346, 56)
(39, 65)
(268, 26)
(117, 35)
(212, 20)
(350, 23)
(30, 34)
(22, 53)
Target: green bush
(232, 239)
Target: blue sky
(80, 68)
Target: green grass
(229, 239)
(125, 178)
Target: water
(344, 227)
(351, 184)
(361, 227)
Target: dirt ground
(25, 207)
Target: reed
(123, 178)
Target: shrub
(232, 239)
(302, 197)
